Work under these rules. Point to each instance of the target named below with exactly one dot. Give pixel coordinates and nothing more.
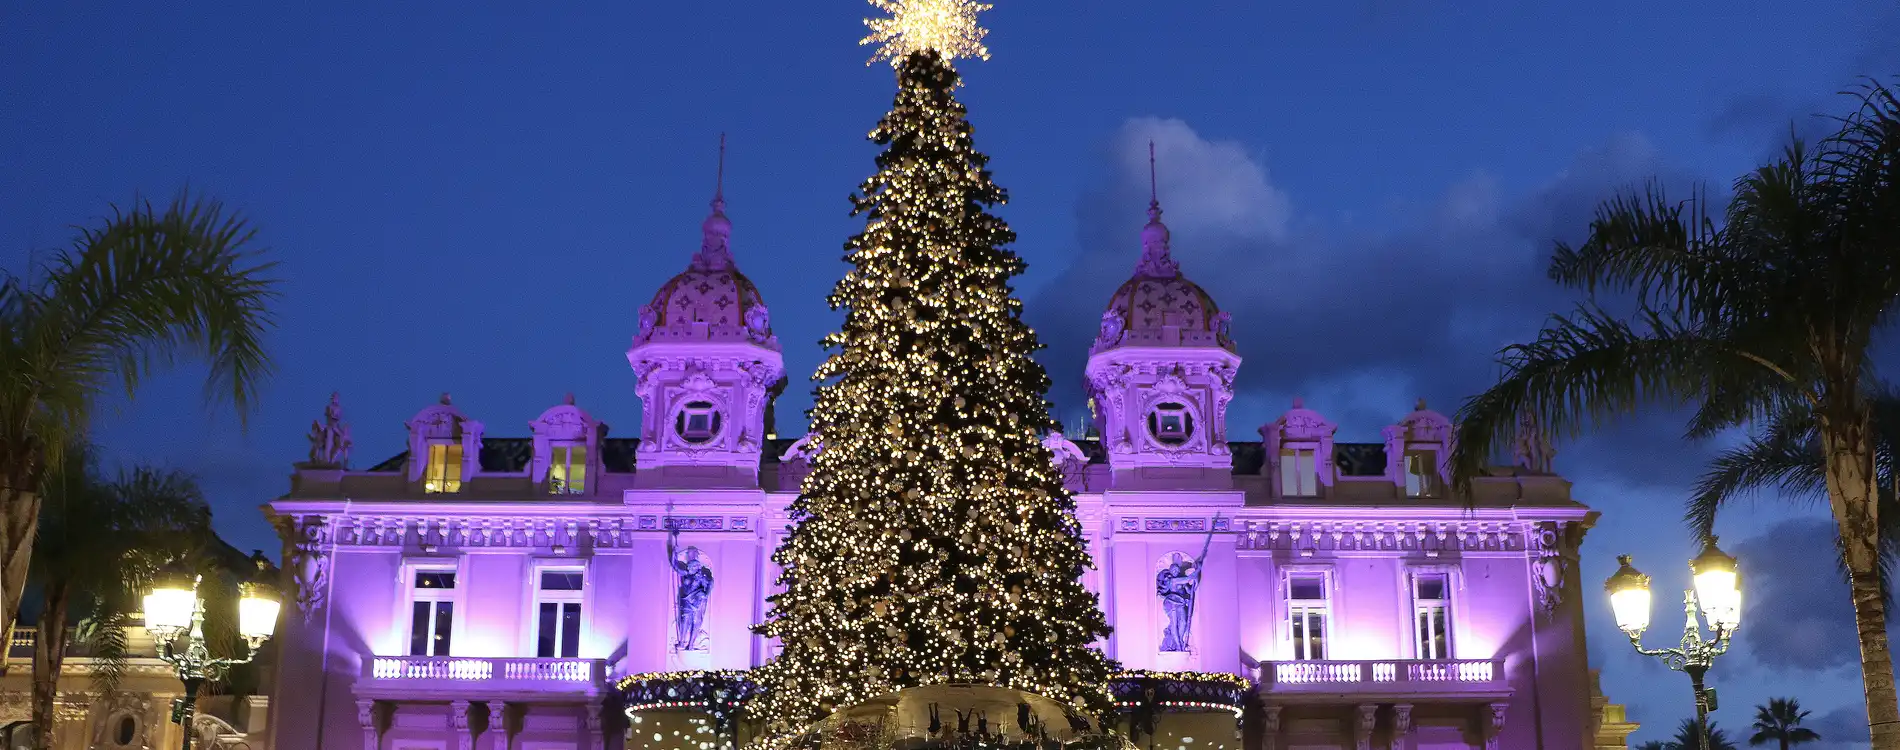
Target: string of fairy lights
(934, 539)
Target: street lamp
(173, 609)
(1718, 591)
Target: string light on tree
(947, 27)
(934, 541)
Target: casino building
(559, 587)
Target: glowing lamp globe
(257, 612)
(1629, 597)
(1718, 586)
(170, 604)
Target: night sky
(478, 201)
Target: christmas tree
(934, 540)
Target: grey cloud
(1797, 614)
(1841, 729)
(1417, 311)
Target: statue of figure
(758, 322)
(330, 438)
(1177, 584)
(648, 318)
(1532, 449)
(1111, 329)
(695, 590)
(802, 449)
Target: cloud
(1417, 311)
(1841, 728)
(1797, 614)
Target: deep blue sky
(478, 200)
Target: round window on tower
(1171, 423)
(698, 422)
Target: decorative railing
(24, 637)
(580, 671)
(1298, 674)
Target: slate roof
(511, 455)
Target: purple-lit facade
(482, 591)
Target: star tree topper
(947, 26)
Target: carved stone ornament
(802, 449)
(1532, 449)
(758, 324)
(1550, 568)
(1112, 327)
(1494, 729)
(1368, 720)
(649, 317)
(1067, 455)
(330, 438)
(308, 541)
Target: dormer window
(698, 422)
(443, 473)
(1171, 423)
(1421, 473)
(567, 470)
(1299, 477)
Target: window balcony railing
(1381, 676)
(476, 673)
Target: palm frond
(137, 292)
(1583, 368)
(1647, 244)
(1785, 457)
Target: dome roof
(711, 291)
(1158, 297)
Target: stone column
(366, 718)
(1269, 727)
(1362, 730)
(1494, 729)
(497, 731)
(1402, 727)
(458, 721)
(595, 737)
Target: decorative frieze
(1382, 536)
(310, 561)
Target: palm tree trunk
(19, 514)
(1852, 489)
(49, 653)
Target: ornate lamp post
(173, 609)
(1717, 593)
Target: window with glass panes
(432, 612)
(1308, 612)
(1298, 475)
(1421, 473)
(558, 613)
(443, 473)
(1431, 615)
(567, 470)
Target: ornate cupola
(708, 368)
(1161, 371)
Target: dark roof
(511, 455)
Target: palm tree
(1774, 310)
(1785, 456)
(99, 543)
(1780, 721)
(1688, 737)
(137, 291)
(1653, 745)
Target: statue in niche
(1532, 448)
(1112, 325)
(1177, 584)
(330, 437)
(694, 592)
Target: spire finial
(1154, 196)
(719, 187)
(1155, 261)
(714, 251)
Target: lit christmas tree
(934, 541)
